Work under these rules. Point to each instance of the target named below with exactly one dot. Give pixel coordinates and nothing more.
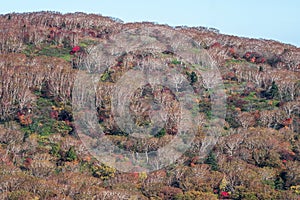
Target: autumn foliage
(41, 156)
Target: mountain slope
(44, 54)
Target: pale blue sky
(269, 19)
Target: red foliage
(76, 48)
(216, 45)
(92, 34)
(135, 175)
(287, 121)
(247, 55)
(254, 57)
(261, 60)
(224, 194)
(54, 114)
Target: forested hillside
(42, 156)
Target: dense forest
(253, 151)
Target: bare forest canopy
(256, 155)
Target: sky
(267, 19)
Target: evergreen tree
(71, 154)
(272, 92)
(193, 77)
(212, 161)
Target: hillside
(77, 89)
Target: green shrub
(62, 127)
(71, 154)
(48, 50)
(176, 62)
(193, 78)
(55, 150)
(212, 161)
(54, 51)
(87, 42)
(161, 133)
(103, 171)
(105, 76)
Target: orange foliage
(25, 119)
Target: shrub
(212, 161)
(176, 62)
(272, 92)
(103, 171)
(54, 51)
(71, 154)
(105, 76)
(55, 150)
(296, 189)
(192, 77)
(161, 133)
